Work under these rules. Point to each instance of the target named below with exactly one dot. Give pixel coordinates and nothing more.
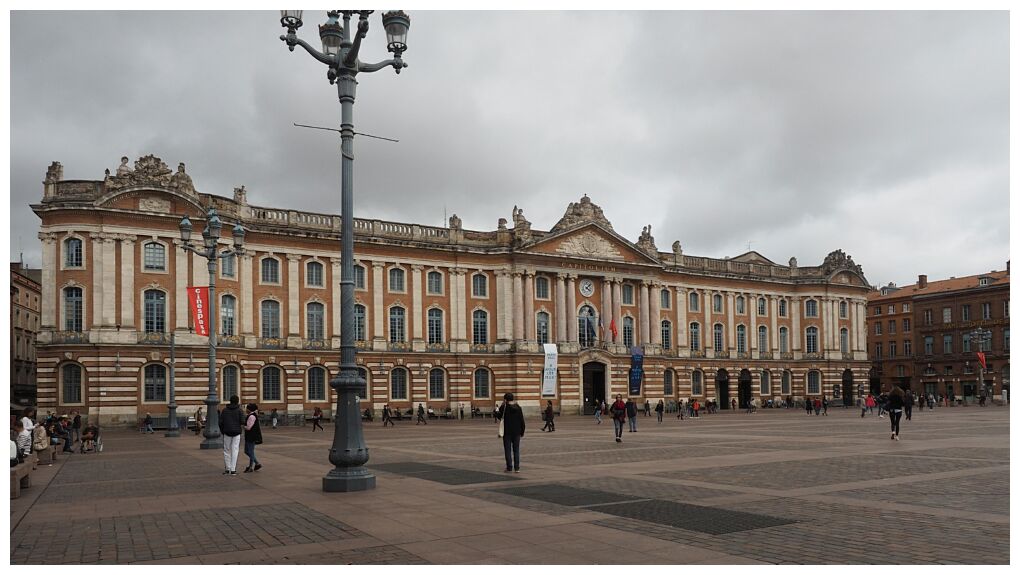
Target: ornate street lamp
(340, 53)
(979, 336)
(210, 239)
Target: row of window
(891, 309)
(892, 326)
(965, 315)
(966, 344)
(813, 381)
(154, 383)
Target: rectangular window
(398, 384)
(317, 384)
(892, 308)
(947, 343)
(765, 387)
(628, 294)
(270, 271)
(892, 349)
(986, 311)
(1005, 308)
(72, 383)
(695, 337)
(313, 274)
(435, 326)
(947, 315)
(271, 384)
(542, 328)
(316, 321)
(892, 326)
(479, 285)
(435, 283)
(878, 351)
(782, 308)
(542, 287)
(359, 323)
(906, 325)
(155, 383)
(692, 300)
(397, 280)
(72, 253)
(481, 384)
(907, 345)
(628, 332)
(811, 308)
(437, 384)
(696, 383)
(396, 325)
(878, 310)
(154, 257)
(270, 319)
(878, 328)
(228, 267)
(929, 345)
(784, 340)
(786, 383)
(359, 277)
(927, 317)
(906, 307)
(230, 382)
(664, 298)
(965, 312)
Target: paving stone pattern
(440, 473)
(169, 535)
(565, 495)
(986, 493)
(379, 555)
(712, 520)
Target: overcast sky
(884, 134)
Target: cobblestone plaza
(775, 487)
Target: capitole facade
(445, 316)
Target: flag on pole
(590, 327)
(602, 329)
(612, 327)
(981, 359)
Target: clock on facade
(587, 288)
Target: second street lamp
(340, 53)
(209, 251)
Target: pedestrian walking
(75, 427)
(421, 415)
(619, 412)
(908, 404)
(511, 429)
(231, 425)
(199, 421)
(598, 412)
(648, 409)
(252, 437)
(869, 403)
(818, 406)
(882, 400)
(696, 406)
(659, 408)
(680, 408)
(316, 418)
(274, 418)
(895, 407)
(631, 414)
(387, 416)
(825, 405)
(547, 415)
(148, 422)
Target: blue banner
(635, 381)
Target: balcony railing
(723, 354)
(315, 344)
(764, 355)
(437, 347)
(272, 343)
(697, 353)
(481, 348)
(154, 338)
(230, 341)
(786, 355)
(70, 337)
(398, 346)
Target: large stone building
(25, 303)
(920, 336)
(446, 316)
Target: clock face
(587, 288)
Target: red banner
(198, 299)
(981, 358)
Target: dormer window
(984, 281)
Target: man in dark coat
(513, 430)
(632, 414)
(231, 425)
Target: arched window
(740, 304)
(397, 325)
(398, 383)
(227, 310)
(763, 339)
(434, 283)
(842, 309)
(717, 337)
(814, 383)
(397, 280)
(154, 311)
(844, 340)
(435, 327)
(73, 309)
(782, 308)
(231, 377)
(359, 322)
(811, 340)
(437, 383)
(787, 378)
(363, 374)
(628, 331)
(315, 319)
(765, 388)
(542, 328)
(628, 294)
(70, 383)
(154, 257)
(359, 277)
(73, 253)
(667, 383)
(692, 301)
(270, 318)
(741, 339)
(154, 388)
(271, 383)
(270, 271)
(586, 324)
(762, 306)
(697, 383)
(479, 327)
(717, 303)
(541, 287)
(482, 384)
(811, 308)
(784, 340)
(667, 334)
(479, 285)
(316, 384)
(695, 328)
(313, 274)
(664, 299)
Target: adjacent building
(925, 336)
(445, 316)
(26, 297)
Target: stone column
(774, 323)
(644, 335)
(181, 288)
(417, 337)
(97, 282)
(503, 332)
(606, 311)
(529, 307)
(731, 327)
(561, 308)
(707, 328)
(507, 295)
(571, 309)
(379, 319)
(518, 307)
(795, 314)
(109, 282)
(247, 308)
(655, 313)
(855, 328)
(752, 312)
(335, 304)
(127, 282)
(294, 311)
(456, 282)
(49, 303)
(618, 308)
(682, 329)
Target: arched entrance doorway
(722, 389)
(744, 388)
(848, 388)
(594, 385)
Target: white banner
(549, 373)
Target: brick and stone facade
(493, 296)
(25, 304)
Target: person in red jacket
(619, 411)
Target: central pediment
(590, 242)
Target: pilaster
(294, 310)
(561, 308)
(127, 282)
(417, 340)
(48, 305)
(378, 315)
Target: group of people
(234, 423)
(29, 433)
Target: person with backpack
(894, 405)
(231, 425)
(619, 413)
(252, 437)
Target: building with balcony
(445, 316)
(25, 303)
(920, 337)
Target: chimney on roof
(922, 281)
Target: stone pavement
(777, 486)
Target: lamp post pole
(349, 452)
(210, 238)
(980, 336)
(172, 428)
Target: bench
(21, 476)
(479, 412)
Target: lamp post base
(348, 479)
(212, 444)
(172, 433)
